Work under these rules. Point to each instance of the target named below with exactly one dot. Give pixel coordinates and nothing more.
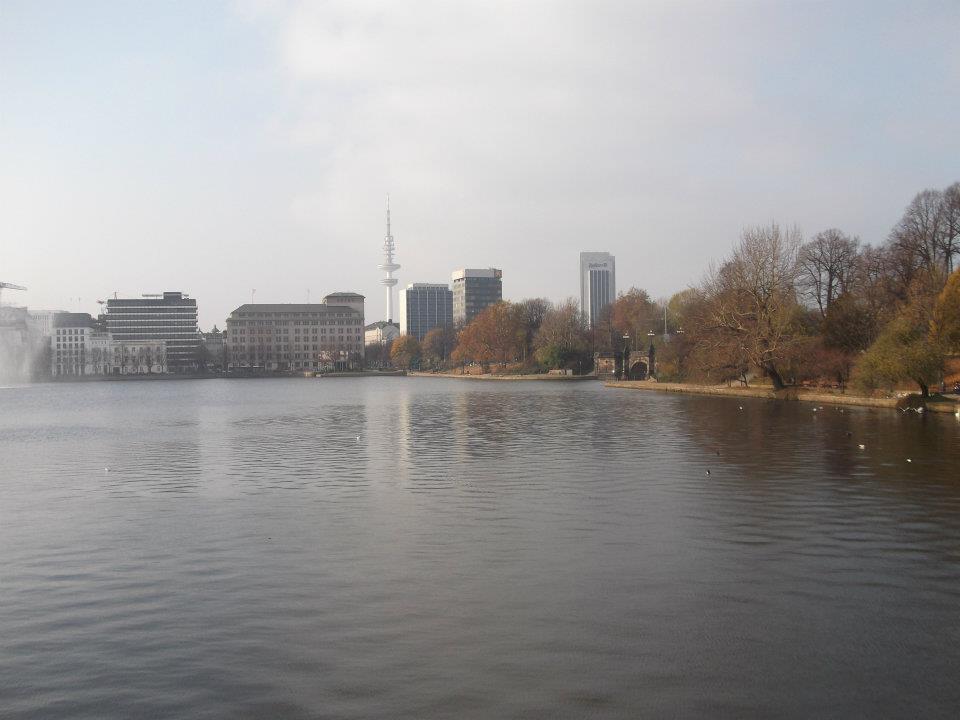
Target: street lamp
(624, 375)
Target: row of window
(306, 346)
(186, 314)
(267, 357)
(290, 315)
(289, 323)
(156, 329)
(286, 333)
(165, 337)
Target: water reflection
(434, 548)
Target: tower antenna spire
(388, 265)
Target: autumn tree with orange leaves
(494, 336)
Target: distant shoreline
(767, 393)
(515, 378)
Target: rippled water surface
(430, 548)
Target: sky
(220, 147)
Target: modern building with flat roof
(424, 306)
(170, 317)
(297, 336)
(474, 290)
(598, 284)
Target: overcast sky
(216, 147)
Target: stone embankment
(768, 393)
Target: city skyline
(141, 155)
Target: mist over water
(430, 548)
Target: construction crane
(9, 286)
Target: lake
(436, 548)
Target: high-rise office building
(474, 290)
(424, 306)
(170, 317)
(598, 284)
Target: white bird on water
(862, 447)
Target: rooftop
(73, 320)
(291, 308)
(477, 272)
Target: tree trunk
(774, 376)
(924, 389)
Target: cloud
(261, 143)
(513, 125)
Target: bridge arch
(639, 368)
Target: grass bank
(801, 395)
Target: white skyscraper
(388, 265)
(598, 284)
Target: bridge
(610, 365)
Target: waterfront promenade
(768, 393)
(492, 376)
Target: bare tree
(827, 267)
(532, 311)
(751, 303)
(562, 340)
(919, 234)
(950, 239)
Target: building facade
(598, 284)
(424, 306)
(79, 347)
(380, 333)
(137, 357)
(474, 290)
(71, 344)
(295, 336)
(213, 349)
(170, 317)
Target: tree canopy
(405, 352)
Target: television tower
(388, 265)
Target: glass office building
(424, 306)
